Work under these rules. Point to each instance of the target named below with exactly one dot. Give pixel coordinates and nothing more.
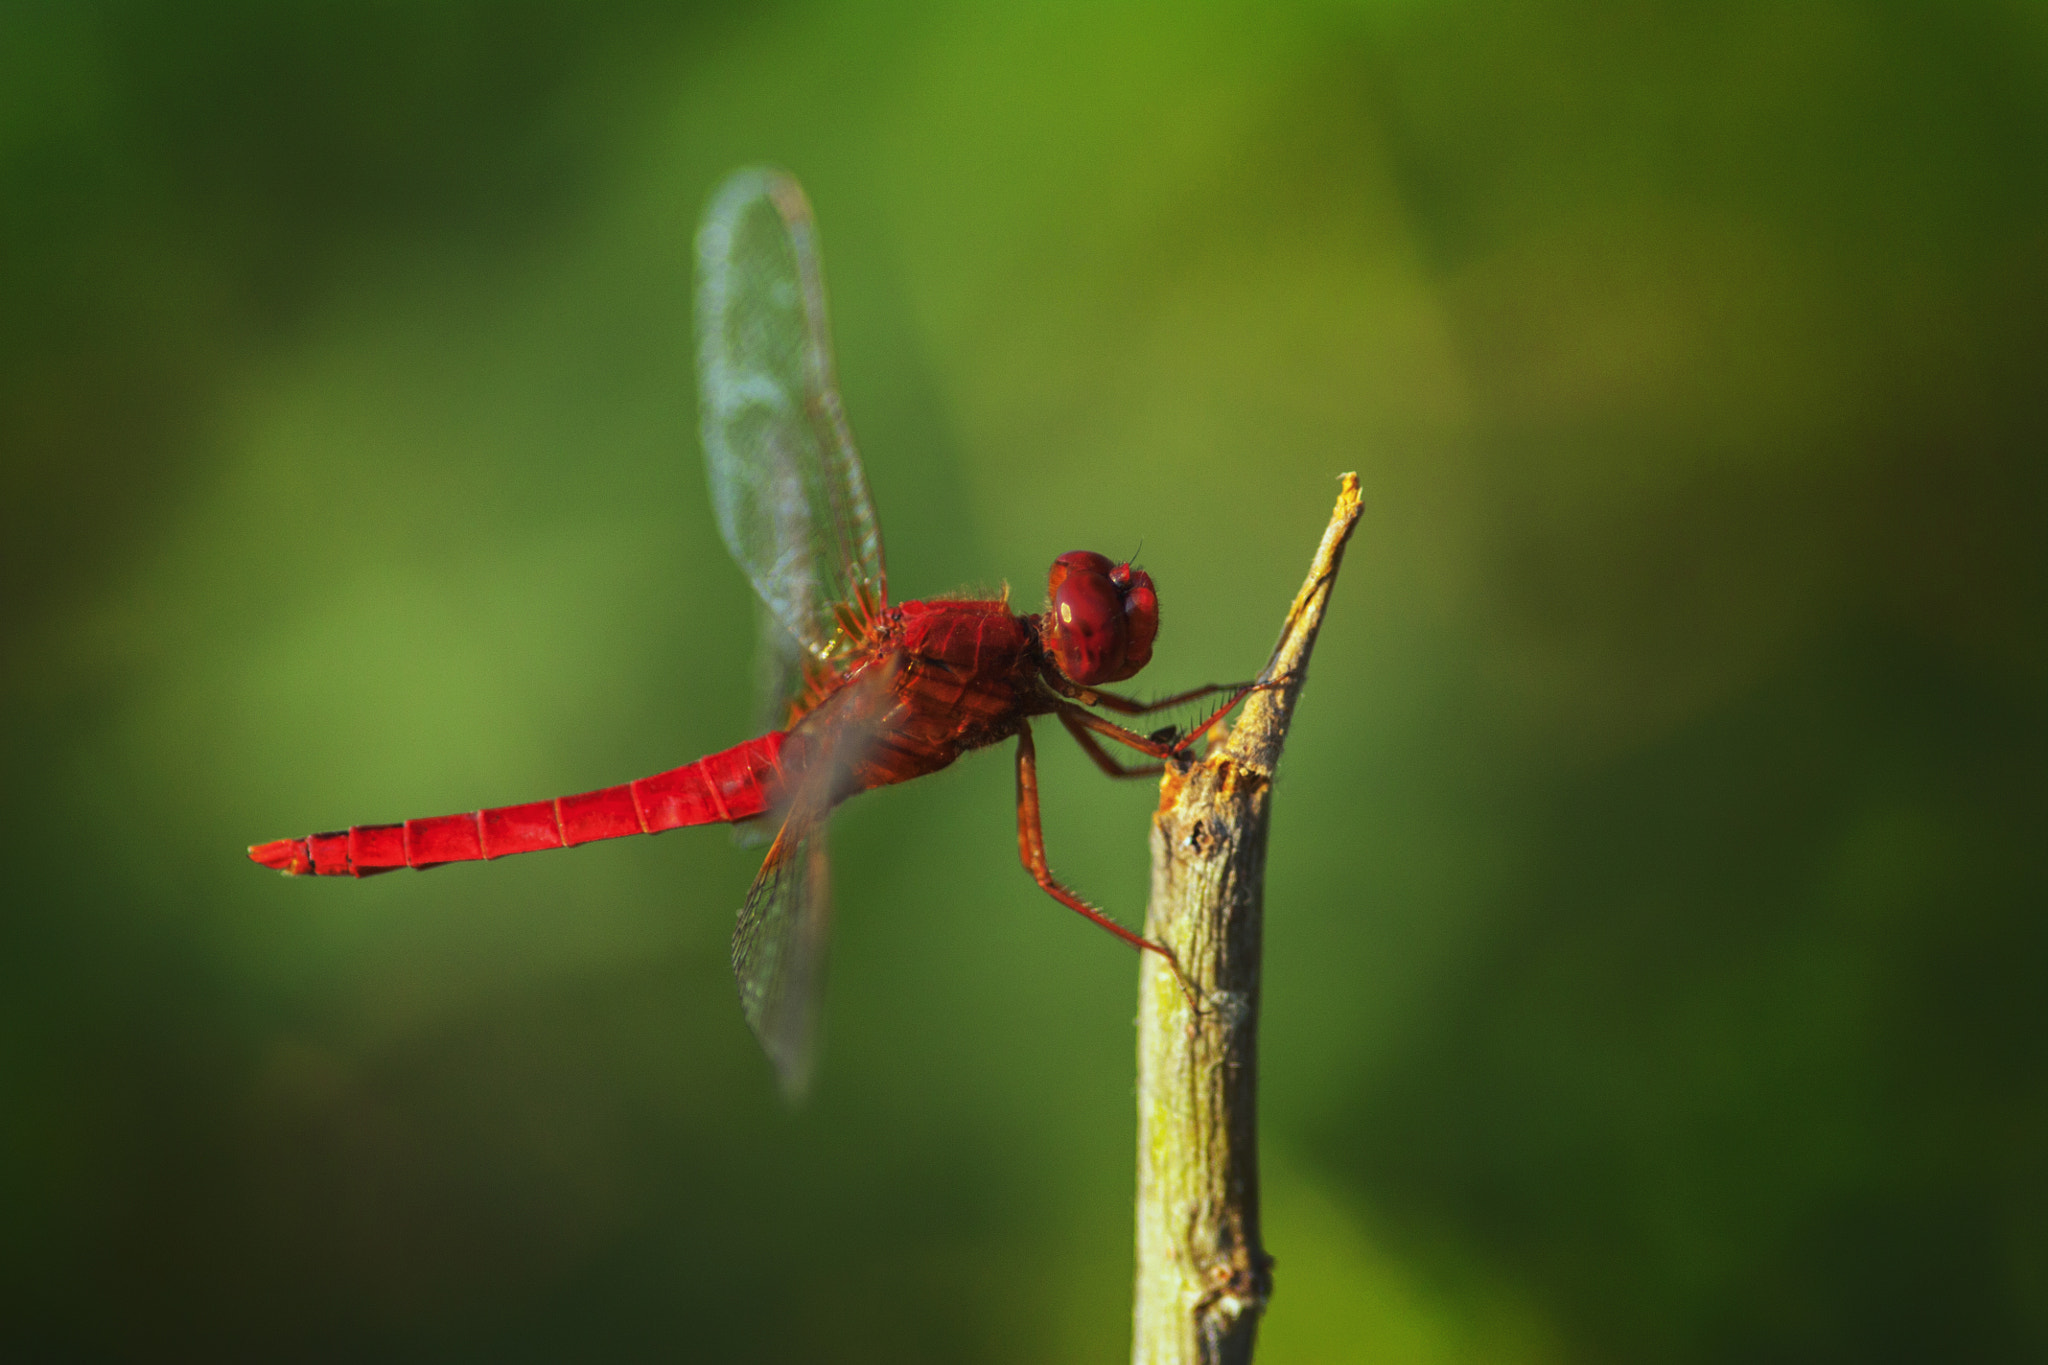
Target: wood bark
(1203, 1275)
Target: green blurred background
(1657, 916)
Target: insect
(864, 693)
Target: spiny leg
(1160, 745)
(1147, 744)
(1197, 731)
(1087, 720)
(1131, 706)
(1031, 849)
(1103, 759)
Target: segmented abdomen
(733, 785)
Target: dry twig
(1203, 1276)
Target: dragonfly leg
(1131, 706)
(1084, 719)
(1244, 690)
(1157, 745)
(1103, 760)
(1031, 849)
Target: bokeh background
(1658, 924)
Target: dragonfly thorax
(1100, 618)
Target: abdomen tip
(283, 855)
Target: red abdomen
(733, 785)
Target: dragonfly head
(1100, 618)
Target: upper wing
(778, 671)
(786, 481)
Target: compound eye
(1085, 625)
(1082, 561)
(1141, 617)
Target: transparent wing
(778, 672)
(786, 481)
(778, 946)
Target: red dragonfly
(862, 693)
